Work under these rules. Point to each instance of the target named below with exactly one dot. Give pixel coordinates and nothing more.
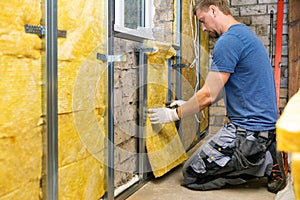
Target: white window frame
(139, 34)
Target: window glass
(134, 19)
(133, 13)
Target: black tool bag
(250, 148)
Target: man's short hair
(221, 4)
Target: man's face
(207, 19)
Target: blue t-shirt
(250, 95)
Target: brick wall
(256, 14)
(125, 112)
(163, 20)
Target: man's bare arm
(208, 94)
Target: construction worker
(240, 72)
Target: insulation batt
(164, 148)
(21, 104)
(81, 99)
(288, 137)
(81, 174)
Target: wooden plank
(294, 50)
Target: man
(244, 148)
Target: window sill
(140, 34)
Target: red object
(278, 48)
(277, 68)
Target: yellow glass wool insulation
(21, 106)
(82, 135)
(81, 99)
(288, 137)
(295, 173)
(81, 180)
(86, 26)
(13, 39)
(164, 148)
(288, 126)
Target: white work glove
(177, 103)
(162, 115)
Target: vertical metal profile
(198, 66)
(142, 106)
(110, 146)
(179, 43)
(178, 56)
(141, 14)
(198, 70)
(142, 98)
(170, 77)
(271, 36)
(51, 98)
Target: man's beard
(214, 34)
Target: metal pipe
(51, 98)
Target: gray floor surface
(169, 187)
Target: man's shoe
(278, 178)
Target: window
(134, 19)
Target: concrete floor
(169, 187)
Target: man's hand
(177, 103)
(162, 115)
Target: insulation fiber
(21, 107)
(288, 127)
(164, 147)
(81, 179)
(288, 137)
(81, 99)
(296, 174)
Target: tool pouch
(250, 149)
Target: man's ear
(213, 10)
